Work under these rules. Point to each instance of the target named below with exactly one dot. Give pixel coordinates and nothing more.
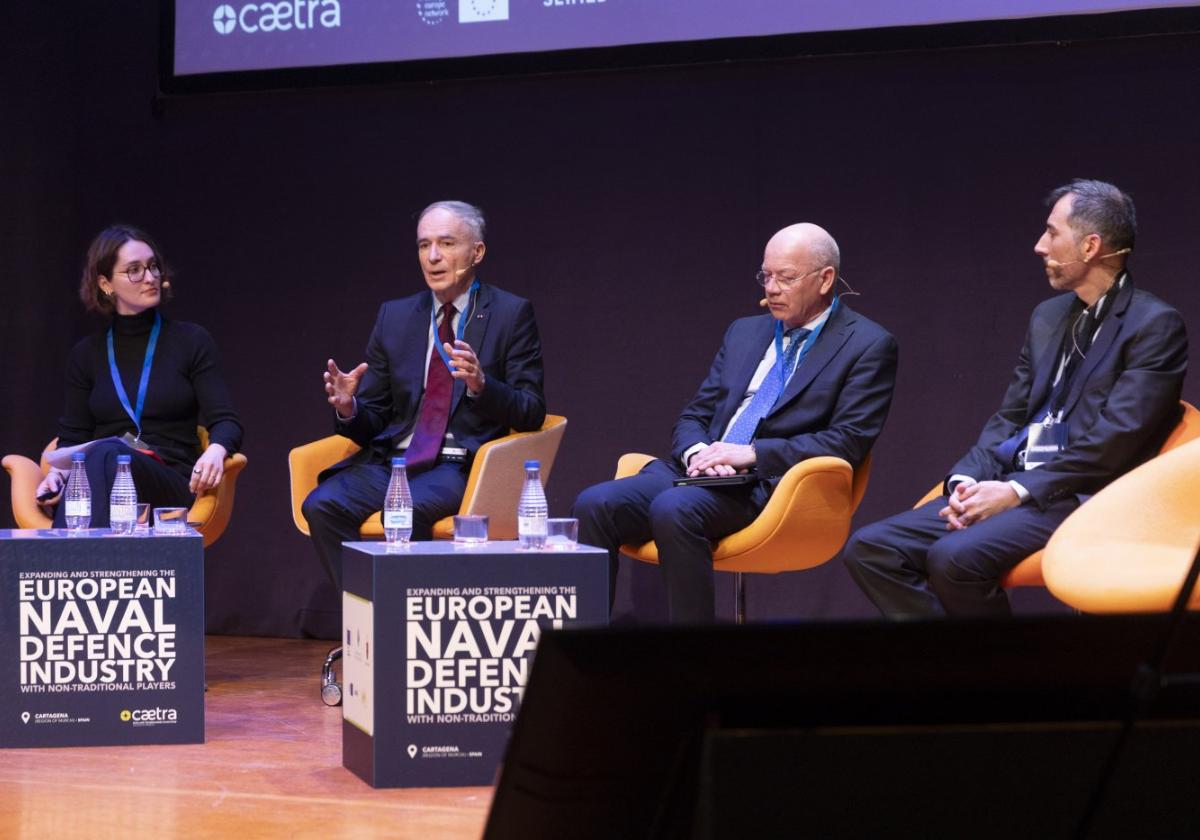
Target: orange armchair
(492, 486)
(804, 524)
(1029, 571)
(209, 514)
(1129, 548)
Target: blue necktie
(768, 392)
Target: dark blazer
(502, 331)
(834, 404)
(1123, 402)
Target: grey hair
(469, 213)
(1099, 207)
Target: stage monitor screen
(212, 36)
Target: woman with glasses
(143, 378)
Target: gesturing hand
(341, 387)
(466, 366)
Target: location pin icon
(412, 748)
(24, 717)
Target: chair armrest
(305, 464)
(811, 504)
(498, 472)
(631, 463)
(933, 493)
(25, 475)
(214, 507)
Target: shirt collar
(459, 303)
(1120, 281)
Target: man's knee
(589, 502)
(669, 512)
(866, 545)
(319, 508)
(952, 561)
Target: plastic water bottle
(122, 501)
(397, 506)
(531, 510)
(79, 495)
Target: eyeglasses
(136, 272)
(765, 277)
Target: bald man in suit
(810, 378)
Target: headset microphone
(763, 303)
(1056, 265)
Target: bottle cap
(533, 465)
(124, 459)
(77, 456)
(399, 462)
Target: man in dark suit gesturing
(1095, 393)
(812, 378)
(447, 370)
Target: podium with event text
(101, 638)
(437, 643)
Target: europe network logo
(477, 11)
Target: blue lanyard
(135, 416)
(462, 324)
(784, 375)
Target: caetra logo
(280, 16)
(149, 717)
(224, 19)
(475, 11)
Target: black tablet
(717, 480)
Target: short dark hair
(1099, 207)
(102, 256)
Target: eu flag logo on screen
(476, 11)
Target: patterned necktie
(764, 399)
(435, 408)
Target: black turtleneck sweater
(185, 390)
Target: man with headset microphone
(811, 378)
(1095, 393)
(447, 370)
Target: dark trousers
(682, 521)
(910, 566)
(156, 483)
(341, 503)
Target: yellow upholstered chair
(1129, 548)
(492, 486)
(804, 524)
(1029, 571)
(209, 514)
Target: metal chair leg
(739, 594)
(331, 689)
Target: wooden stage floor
(271, 767)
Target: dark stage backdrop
(630, 206)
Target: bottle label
(122, 513)
(397, 519)
(79, 507)
(531, 526)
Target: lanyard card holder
(1046, 439)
